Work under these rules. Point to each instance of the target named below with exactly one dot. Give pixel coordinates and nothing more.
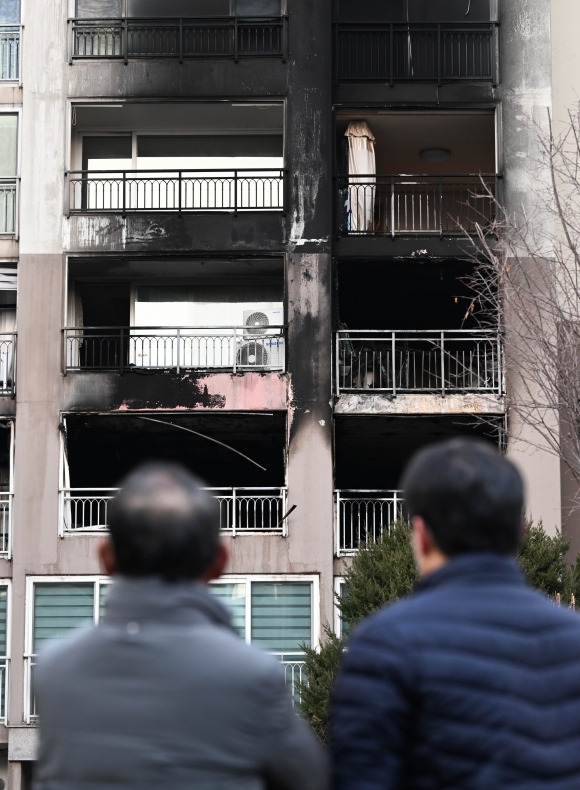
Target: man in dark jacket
(163, 693)
(473, 682)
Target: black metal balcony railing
(390, 205)
(184, 39)
(439, 361)
(101, 191)
(9, 53)
(7, 373)
(400, 51)
(233, 349)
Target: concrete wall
(526, 98)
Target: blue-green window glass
(281, 615)
(103, 590)
(58, 608)
(8, 144)
(344, 624)
(9, 12)
(234, 596)
(3, 615)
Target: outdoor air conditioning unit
(263, 344)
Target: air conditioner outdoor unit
(263, 343)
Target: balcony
(182, 39)
(10, 53)
(8, 206)
(409, 204)
(362, 515)
(234, 349)
(7, 364)
(441, 362)
(243, 510)
(103, 192)
(391, 52)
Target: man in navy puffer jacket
(473, 681)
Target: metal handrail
(362, 515)
(242, 509)
(8, 363)
(414, 203)
(10, 42)
(415, 51)
(439, 361)
(175, 189)
(182, 38)
(234, 348)
(9, 206)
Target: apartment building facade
(231, 236)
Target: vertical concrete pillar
(525, 92)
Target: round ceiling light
(435, 154)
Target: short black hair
(470, 497)
(164, 523)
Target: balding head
(163, 523)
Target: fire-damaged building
(234, 234)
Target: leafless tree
(526, 281)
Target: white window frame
(339, 581)
(15, 110)
(29, 655)
(7, 583)
(247, 579)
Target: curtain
(362, 176)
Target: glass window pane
(99, 9)
(234, 596)
(3, 614)
(8, 144)
(58, 608)
(9, 12)
(258, 7)
(281, 615)
(103, 590)
(177, 8)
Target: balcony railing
(5, 524)
(10, 53)
(400, 51)
(363, 515)
(242, 510)
(181, 39)
(7, 363)
(235, 349)
(398, 204)
(294, 673)
(437, 361)
(101, 191)
(8, 205)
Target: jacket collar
(152, 600)
(476, 566)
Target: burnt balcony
(438, 362)
(362, 515)
(242, 510)
(228, 37)
(235, 349)
(101, 191)
(409, 204)
(391, 52)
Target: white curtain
(362, 176)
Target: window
(4, 653)
(278, 615)
(57, 608)
(8, 171)
(341, 627)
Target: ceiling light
(435, 154)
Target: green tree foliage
(543, 560)
(382, 572)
